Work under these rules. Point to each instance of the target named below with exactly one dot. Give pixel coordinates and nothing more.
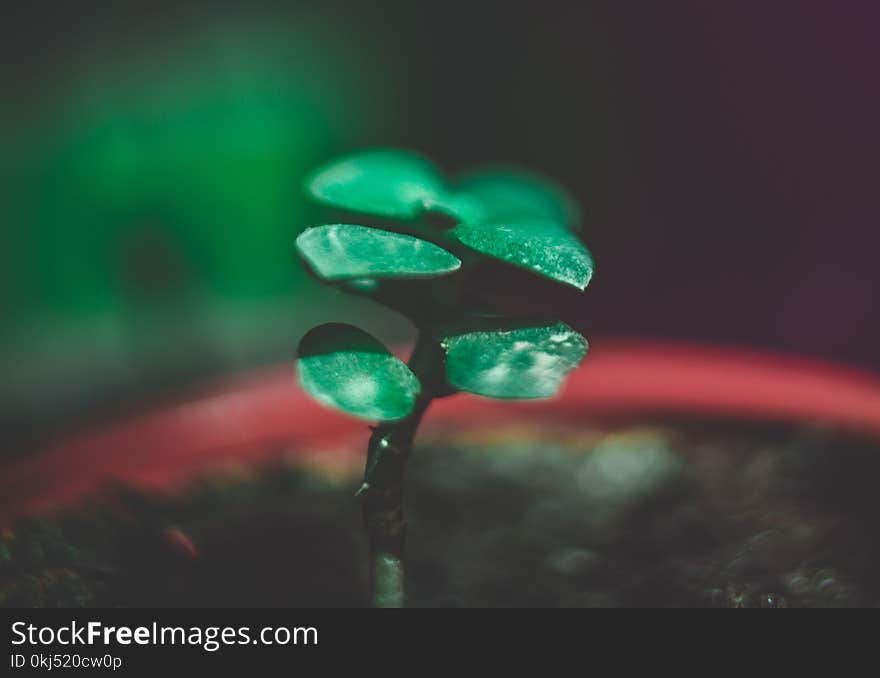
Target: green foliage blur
(153, 192)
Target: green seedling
(419, 240)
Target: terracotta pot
(259, 417)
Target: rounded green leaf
(513, 361)
(346, 368)
(510, 193)
(346, 251)
(539, 245)
(386, 183)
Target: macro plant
(417, 244)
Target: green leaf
(346, 368)
(502, 194)
(346, 251)
(386, 183)
(524, 360)
(539, 245)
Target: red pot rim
(262, 416)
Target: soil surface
(646, 515)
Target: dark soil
(641, 516)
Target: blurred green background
(155, 194)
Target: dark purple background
(728, 154)
(750, 201)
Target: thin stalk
(382, 491)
